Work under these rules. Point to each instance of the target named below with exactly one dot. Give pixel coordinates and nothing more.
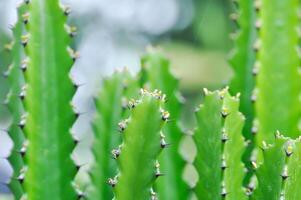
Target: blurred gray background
(193, 34)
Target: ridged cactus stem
(111, 105)
(279, 174)
(49, 113)
(13, 101)
(278, 104)
(243, 63)
(143, 140)
(155, 74)
(220, 146)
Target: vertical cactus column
(220, 147)
(13, 101)
(242, 61)
(143, 140)
(279, 174)
(49, 113)
(278, 104)
(111, 105)
(155, 74)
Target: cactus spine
(15, 106)
(242, 61)
(143, 140)
(219, 148)
(278, 82)
(49, 114)
(110, 106)
(155, 74)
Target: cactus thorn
(116, 153)
(112, 182)
(25, 17)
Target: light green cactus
(14, 104)
(155, 74)
(143, 140)
(278, 175)
(243, 63)
(278, 85)
(111, 105)
(220, 146)
(49, 113)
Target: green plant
(219, 147)
(143, 140)
(278, 82)
(111, 107)
(49, 113)
(155, 74)
(224, 138)
(13, 102)
(242, 61)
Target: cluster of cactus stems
(240, 151)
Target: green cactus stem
(14, 104)
(49, 113)
(278, 175)
(143, 140)
(242, 61)
(220, 146)
(111, 105)
(278, 82)
(155, 74)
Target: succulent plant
(220, 146)
(155, 74)
(41, 93)
(279, 174)
(49, 112)
(278, 83)
(111, 107)
(14, 104)
(143, 140)
(242, 61)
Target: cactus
(278, 81)
(49, 91)
(143, 140)
(243, 60)
(110, 107)
(219, 148)
(155, 74)
(278, 175)
(14, 104)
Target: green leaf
(142, 143)
(49, 92)
(155, 74)
(109, 111)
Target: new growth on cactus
(219, 147)
(143, 140)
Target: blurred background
(193, 34)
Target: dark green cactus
(13, 101)
(155, 74)
(110, 106)
(49, 113)
(279, 174)
(243, 61)
(220, 146)
(278, 82)
(143, 140)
